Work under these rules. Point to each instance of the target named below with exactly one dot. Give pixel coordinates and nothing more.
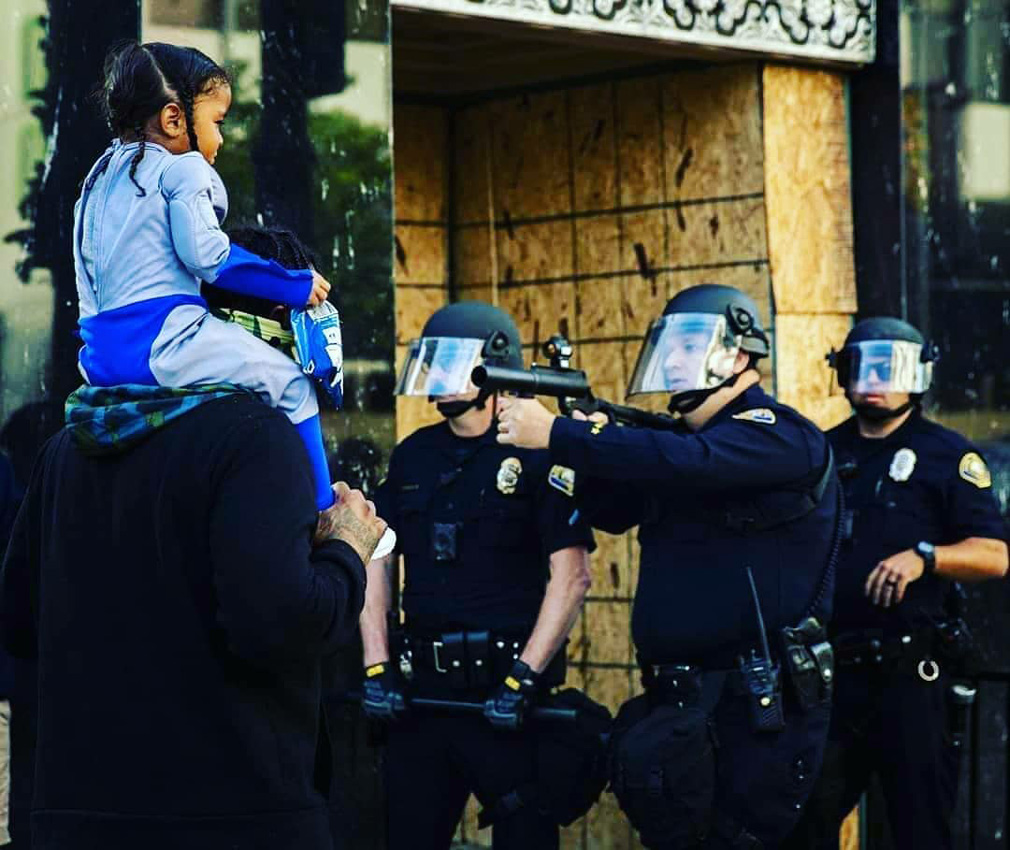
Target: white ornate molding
(828, 30)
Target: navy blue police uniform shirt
(923, 482)
(513, 510)
(693, 603)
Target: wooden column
(809, 208)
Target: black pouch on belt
(811, 662)
(479, 657)
(454, 659)
(763, 687)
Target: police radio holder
(559, 380)
(761, 677)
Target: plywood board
(472, 257)
(804, 380)
(712, 133)
(471, 165)
(531, 159)
(571, 836)
(639, 142)
(608, 632)
(604, 366)
(609, 562)
(535, 251)
(413, 307)
(420, 254)
(609, 686)
(419, 168)
(644, 301)
(476, 293)
(849, 838)
(608, 827)
(540, 310)
(645, 246)
(807, 190)
(598, 245)
(413, 413)
(704, 234)
(594, 152)
(600, 308)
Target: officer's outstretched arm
(728, 456)
(375, 615)
(566, 591)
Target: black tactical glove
(381, 698)
(509, 703)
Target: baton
(539, 713)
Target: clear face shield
(684, 352)
(439, 366)
(886, 366)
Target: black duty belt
(872, 647)
(468, 660)
(684, 683)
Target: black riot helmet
(454, 340)
(690, 351)
(884, 355)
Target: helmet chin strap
(454, 409)
(693, 399)
(873, 413)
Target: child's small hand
(320, 289)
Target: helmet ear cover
(739, 320)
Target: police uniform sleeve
(971, 508)
(610, 506)
(560, 523)
(732, 454)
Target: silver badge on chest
(902, 465)
(508, 475)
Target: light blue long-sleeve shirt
(139, 257)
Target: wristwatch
(926, 551)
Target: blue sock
(312, 435)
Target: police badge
(902, 465)
(508, 475)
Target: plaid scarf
(109, 420)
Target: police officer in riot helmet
(737, 509)
(919, 518)
(496, 568)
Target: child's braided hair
(141, 78)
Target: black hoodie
(179, 616)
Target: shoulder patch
(973, 470)
(562, 478)
(758, 414)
